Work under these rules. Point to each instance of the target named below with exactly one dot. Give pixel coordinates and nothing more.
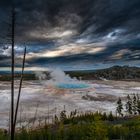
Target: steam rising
(57, 76)
(40, 75)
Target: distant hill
(112, 73)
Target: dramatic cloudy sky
(72, 34)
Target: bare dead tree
(20, 87)
(8, 38)
(12, 72)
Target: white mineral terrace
(41, 100)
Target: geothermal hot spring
(44, 98)
(72, 86)
(59, 80)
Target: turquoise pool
(72, 85)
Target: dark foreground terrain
(82, 127)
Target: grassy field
(91, 126)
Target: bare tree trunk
(12, 73)
(20, 86)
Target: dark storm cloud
(56, 24)
(97, 16)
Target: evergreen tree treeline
(131, 107)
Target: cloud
(56, 33)
(100, 30)
(116, 34)
(120, 54)
(70, 49)
(6, 50)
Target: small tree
(138, 107)
(134, 107)
(110, 116)
(138, 97)
(129, 105)
(119, 107)
(56, 120)
(63, 116)
(138, 104)
(73, 113)
(104, 116)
